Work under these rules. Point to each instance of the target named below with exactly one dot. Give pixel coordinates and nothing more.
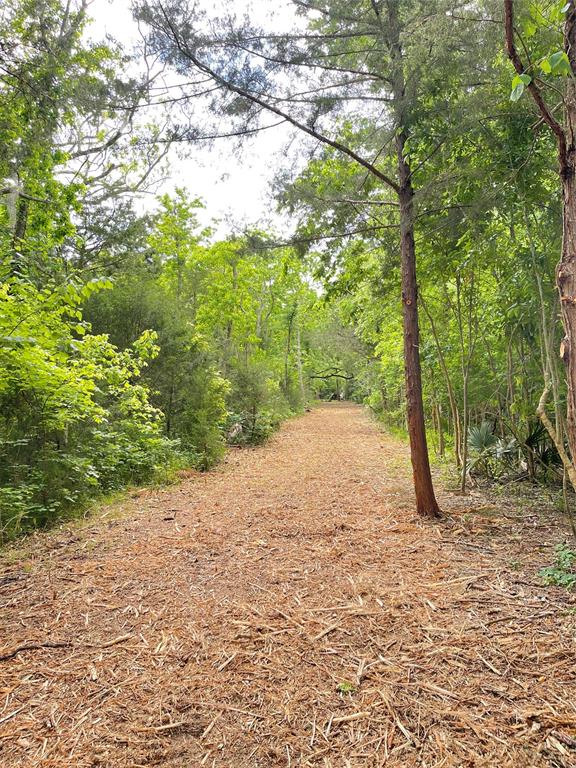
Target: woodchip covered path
(288, 609)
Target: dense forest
(428, 271)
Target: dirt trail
(289, 610)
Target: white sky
(235, 188)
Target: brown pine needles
(294, 612)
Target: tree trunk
(550, 368)
(566, 271)
(566, 282)
(288, 350)
(299, 364)
(19, 233)
(441, 443)
(465, 423)
(426, 503)
(449, 389)
(464, 367)
(437, 419)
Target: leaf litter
(289, 609)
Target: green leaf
(14, 342)
(556, 64)
(517, 92)
(519, 83)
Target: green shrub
(562, 573)
(75, 418)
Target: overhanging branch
(533, 89)
(262, 102)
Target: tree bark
(299, 364)
(566, 270)
(426, 503)
(288, 350)
(465, 426)
(467, 344)
(19, 233)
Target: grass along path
(288, 609)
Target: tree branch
(262, 102)
(543, 416)
(547, 115)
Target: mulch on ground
(289, 609)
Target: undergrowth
(562, 573)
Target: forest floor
(289, 609)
